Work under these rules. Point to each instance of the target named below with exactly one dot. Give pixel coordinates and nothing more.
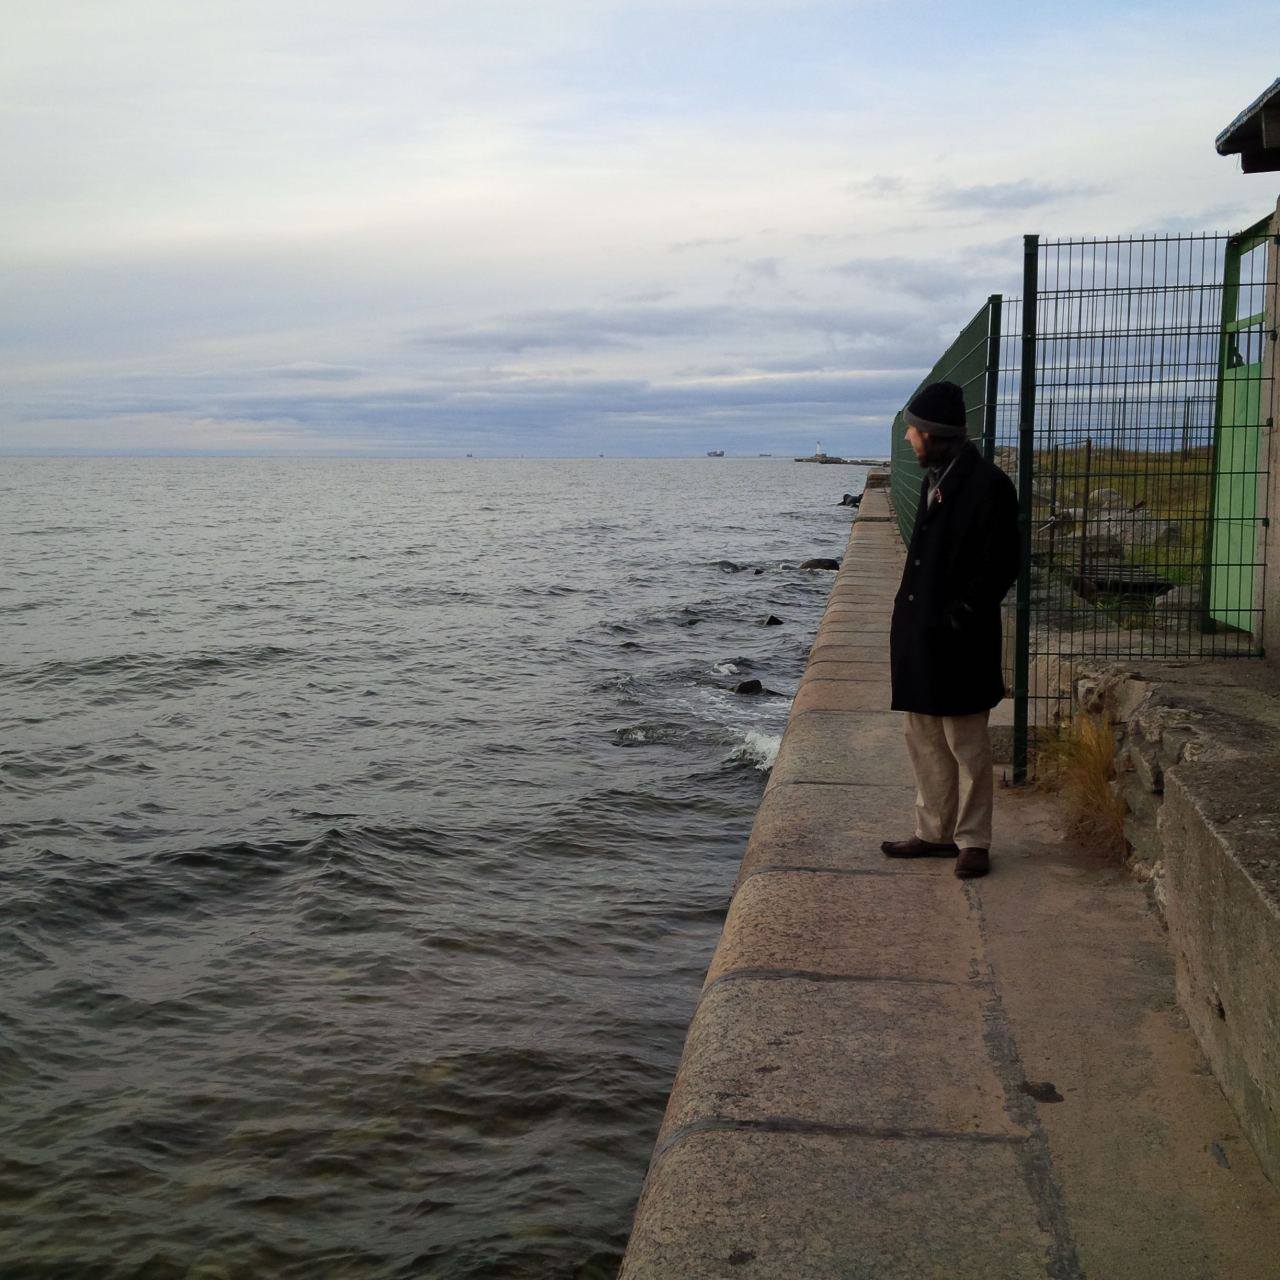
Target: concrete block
(830, 647)
(856, 669)
(855, 609)
(862, 593)
(906, 927)
(838, 629)
(843, 695)
(879, 1055)
(1219, 830)
(780, 1206)
(842, 747)
(836, 827)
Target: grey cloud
(652, 295)
(589, 328)
(879, 184)
(316, 371)
(704, 242)
(513, 406)
(966, 275)
(998, 196)
(762, 268)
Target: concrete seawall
(853, 1099)
(841, 1107)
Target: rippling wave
(365, 830)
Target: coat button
(911, 597)
(916, 560)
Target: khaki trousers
(951, 756)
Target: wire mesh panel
(1151, 386)
(1128, 394)
(970, 362)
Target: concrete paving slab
(874, 644)
(1157, 1179)
(857, 628)
(854, 611)
(835, 827)
(874, 598)
(844, 747)
(906, 927)
(829, 648)
(865, 653)
(779, 1206)
(843, 695)
(887, 1056)
(874, 618)
(862, 610)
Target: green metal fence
(971, 361)
(1131, 406)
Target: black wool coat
(944, 641)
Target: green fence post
(1026, 473)
(994, 303)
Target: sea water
(365, 831)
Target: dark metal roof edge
(1224, 140)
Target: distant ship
(715, 453)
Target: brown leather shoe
(972, 862)
(917, 848)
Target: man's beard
(939, 451)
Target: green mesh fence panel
(1143, 460)
(1127, 393)
(970, 361)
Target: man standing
(945, 638)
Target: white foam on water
(725, 669)
(759, 748)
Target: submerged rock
(755, 687)
(821, 563)
(851, 500)
(772, 621)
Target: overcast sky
(418, 227)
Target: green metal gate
(1234, 526)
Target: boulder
(1109, 534)
(772, 621)
(821, 563)
(1147, 531)
(1100, 537)
(1106, 500)
(851, 500)
(1179, 609)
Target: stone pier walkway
(892, 1073)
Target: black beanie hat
(938, 410)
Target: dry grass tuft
(1080, 763)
